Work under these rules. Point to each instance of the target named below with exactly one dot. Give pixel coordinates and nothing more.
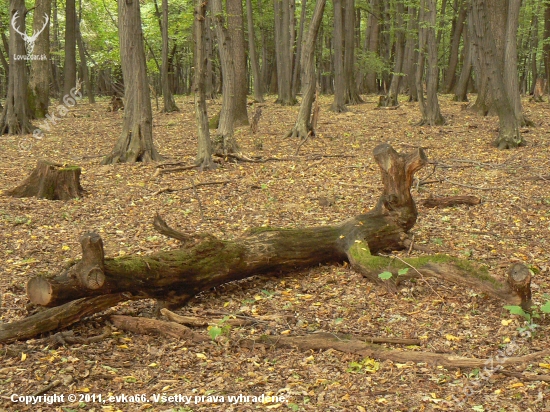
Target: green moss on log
(360, 253)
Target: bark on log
(448, 201)
(51, 181)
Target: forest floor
(512, 224)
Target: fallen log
(175, 276)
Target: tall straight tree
(283, 49)
(167, 97)
(351, 95)
(461, 88)
(546, 47)
(236, 31)
(86, 78)
(392, 97)
(339, 102)
(458, 29)
(39, 81)
(258, 90)
(410, 59)
(225, 139)
(303, 123)
(69, 68)
(371, 42)
(429, 107)
(135, 144)
(297, 61)
(204, 153)
(491, 70)
(15, 114)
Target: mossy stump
(51, 181)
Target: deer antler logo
(29, 40)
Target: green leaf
(517, 310)
(385, 275)
(402, 272)
(293, 406)
(546, 307)
(214, 332)
(478, 408)
(338, 321)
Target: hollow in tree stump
(51, 181)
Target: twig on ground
(196, 193)
(521, 376)
(169, 189)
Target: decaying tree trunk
(204, 262)
(50, 181)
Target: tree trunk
(258, 89)
(372, 43)
(167, 97)
(210, 89)
(86, 78)
(236, 32)
(204, 153)
(225, 140)
(338, 105)
(50, 181)
(511, 61)
(450, 74)
(493, 70)
(411, 54)
(284, 52)
(392, 97)
(297, 66)
(55, 48)
(546, 47)
(303, 125)
(461, 89)
(39, 81)
(136, 141)
(16, 113)
(351, 96)
(534, 46)
(429, 107)
(69, 67)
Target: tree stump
(51, 181)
